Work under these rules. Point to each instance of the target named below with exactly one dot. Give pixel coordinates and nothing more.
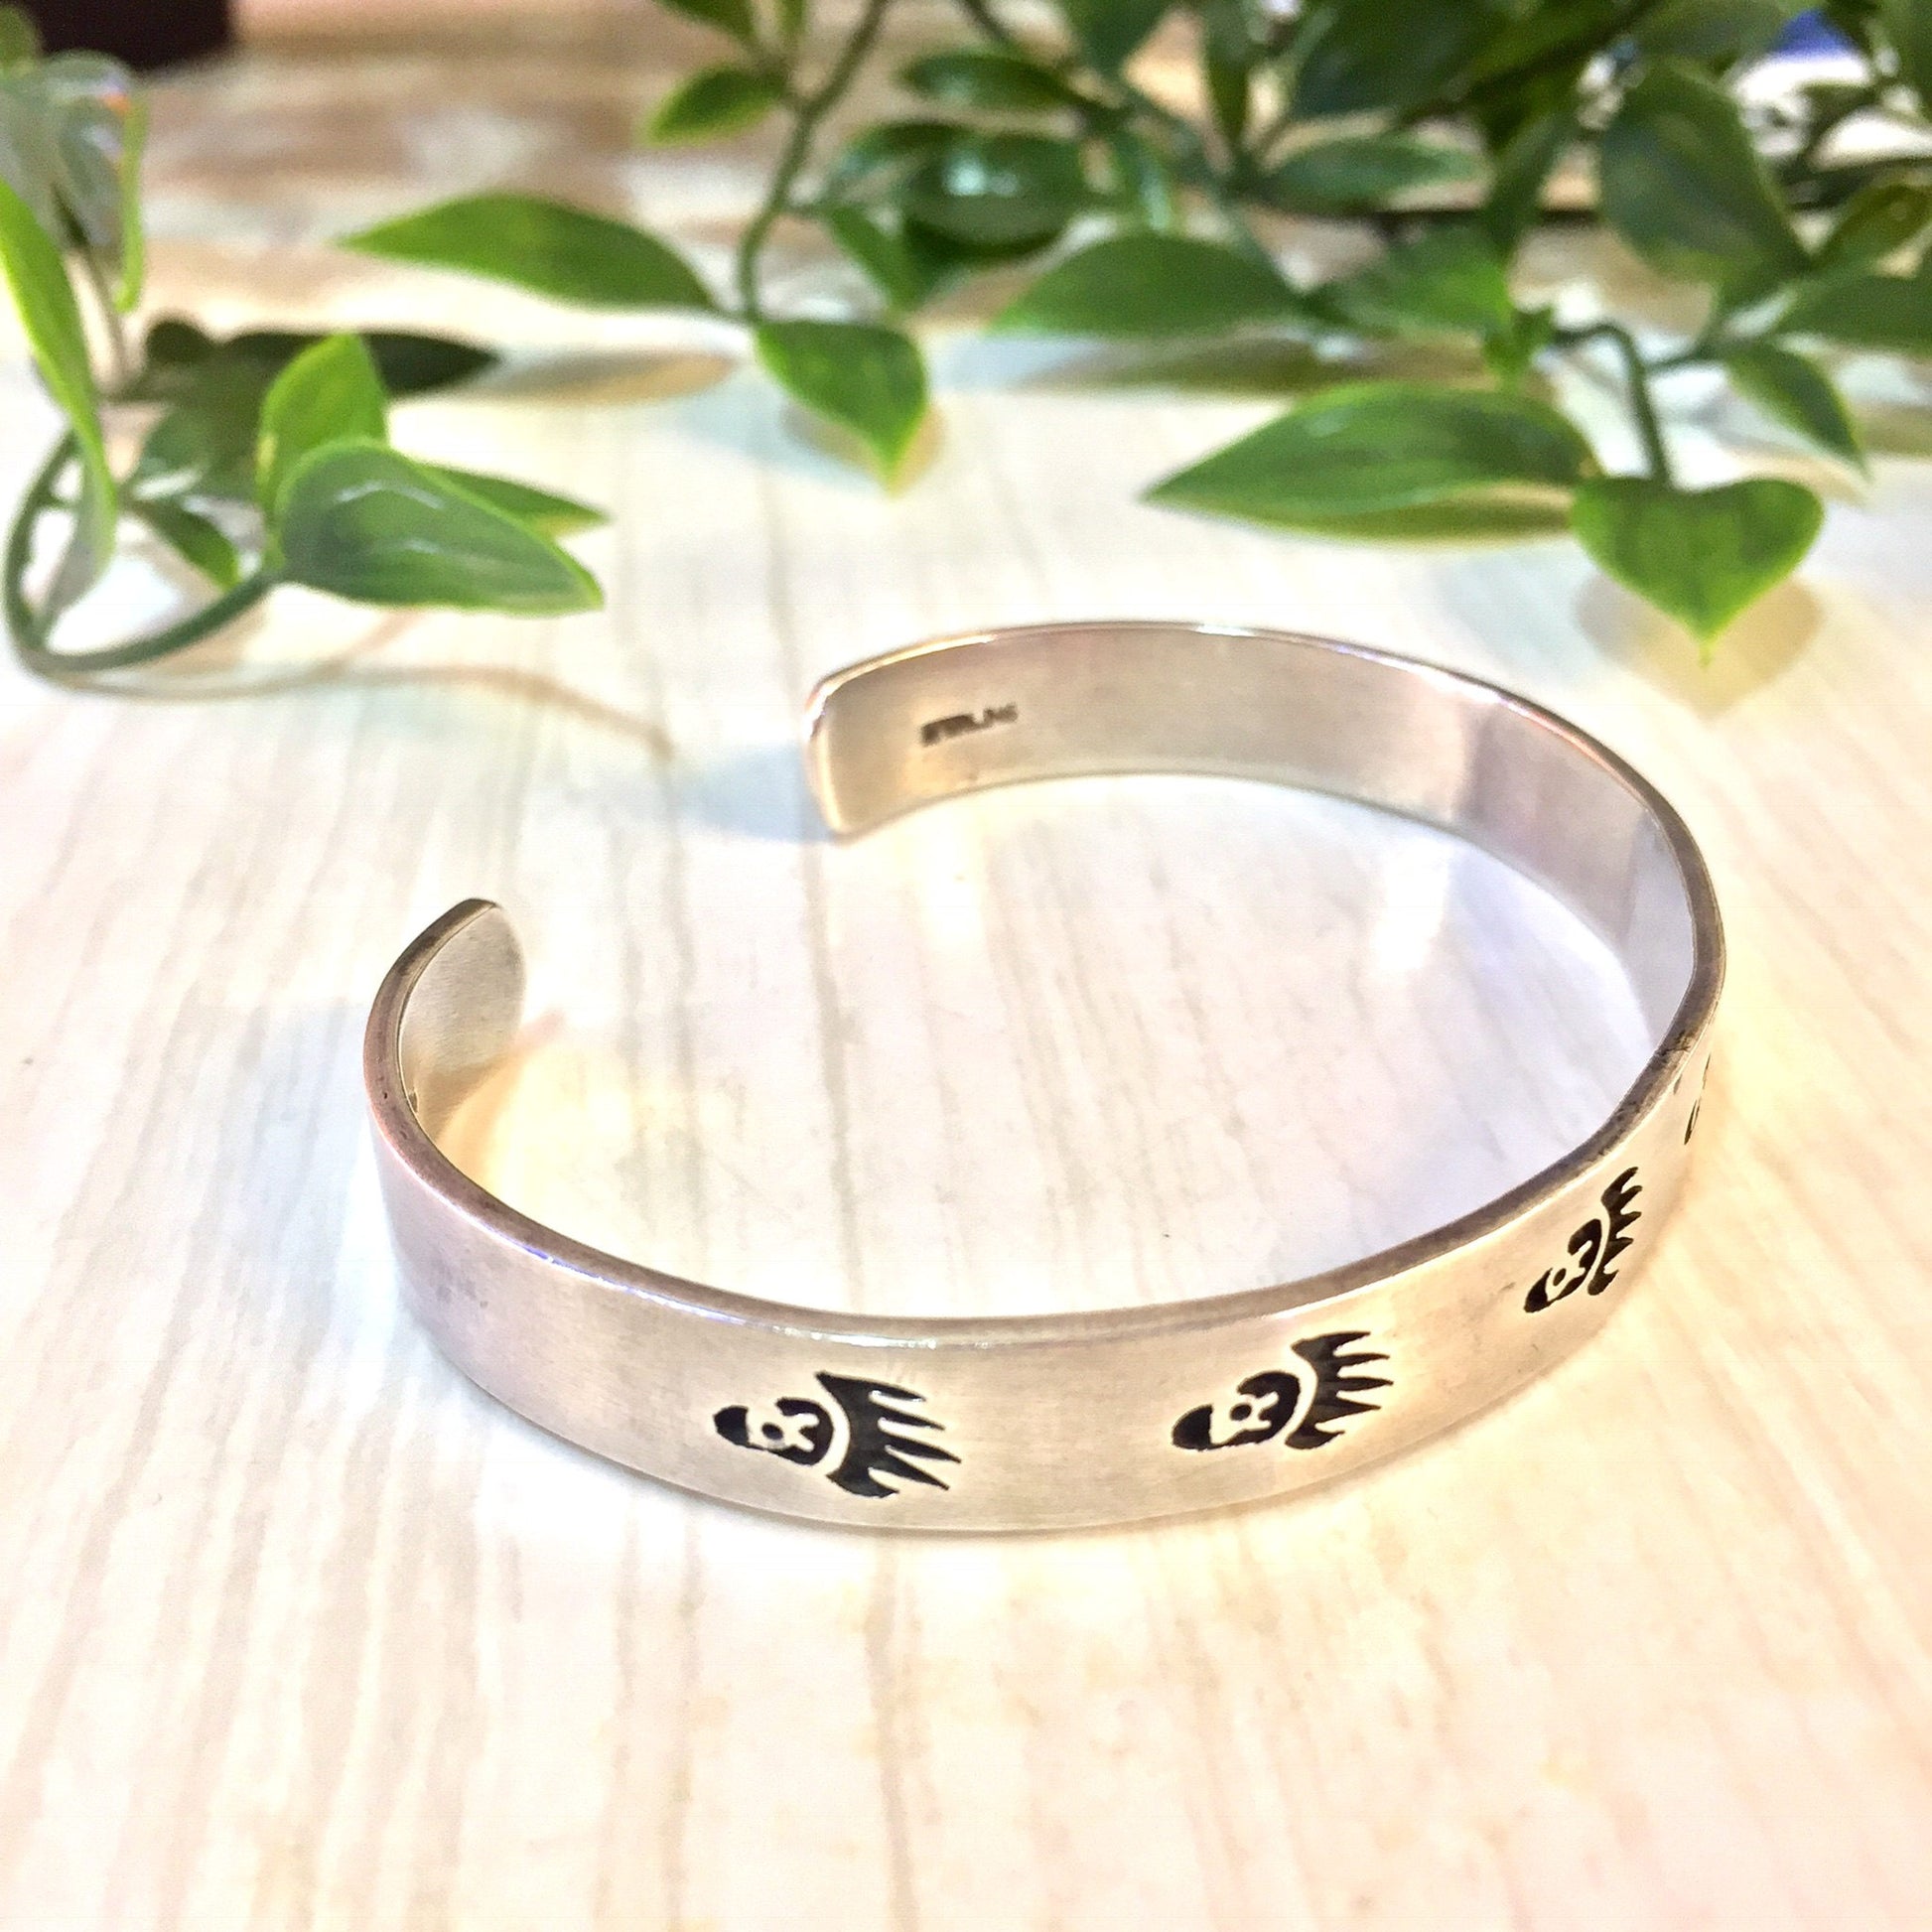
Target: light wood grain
(299, 1631)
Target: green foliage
(865, 380)
(1883, 312)
(1795, 391)
(1111, 32)
(1702, 555)
(1151, 285)
(731, 17)
(1360, 56)
(264, 458)
(361, 521)
(1683, 187)
(987, 78)
(1362, 171)
(542, 509)
(1002, 194)
(329, 394)
(1446, 282)
(713, 102)
(1438, 128)
(44, 298)
(72, 130)
(549, 247)
(1366, 449)
(20, 38)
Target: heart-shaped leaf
(1141, 285)
(868, 381)
(362, 522)
(1700, 555)
(1795, 392)
(712, 102)
(327, 393)
(1681, 181)
(1371, 448)
(555, 250)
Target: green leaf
(549, 246)
(711, 102)
(174, 343)
(878, 159)
(1111, 32)
(989, 79)
(1448, 282)
(1228, 58)
(100, 129)
(1357, 55)
(1142, 181)
(361, 521)
(44, 299)
(1797, 393)
(1723, 31)
(71, 135)
(1882, 216)
(1682, 185)
(1377, 446)
(1522, 169)
(733, 17)
(866, 379)
(906, 265)
(1885, 312)
(1511, 350)
(328, 393)
(1908, 26)
(1700, 555)
(20, 38)
(1139, 285)
(1362, 171)
(193, 536)
(409, 364)
(541, 509)
(178, 352)
(204, 447)
(998, 191)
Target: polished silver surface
(1054, 1420)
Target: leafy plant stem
(808, 112)
(1194, 164)
(28, 633)
(1636, 377)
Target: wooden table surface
(299, 1630)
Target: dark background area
(144, 32)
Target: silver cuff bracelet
(990, 1423)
